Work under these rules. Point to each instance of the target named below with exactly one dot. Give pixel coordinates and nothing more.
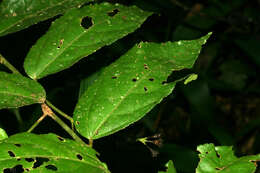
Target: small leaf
(180, 155)
(222, 160)
(191, 78)
(79, 33)
(16, 15)
(17, 90)
(49, 152)
(3, 134)
(127, 89)
(170, 168)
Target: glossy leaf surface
(16, 15)
(170, 168)
(222, 160)
(79, 33)
(127, 89)
(17, 90)
(48, 153)
(3, 134)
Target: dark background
(221, 107)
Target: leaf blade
(126, 90)
(68, 40)
(63, 154)
(222, 159)
(17, 90)
(17, 15)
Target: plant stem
(66, 128)
(60, 112)
(8, 65)
(36, 123)
(90, 143)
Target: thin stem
(47, 110)
(8, 65)
(66, 128)
(90, 143)
(36, 123)
(60, 112)
(18, 117)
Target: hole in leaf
(218, 155)
(113, 13)
(11, 154)
(146, 66)
(86, 22)
(29, 159)
(79, 157)
(218, 168)
(27, 169)
(164, 82)
(51, 167)
(18, 145)
(77, 122)
(207, 152)
(134, 79)
(151, 79)
(18, 159)
(61, 139)
(176, 75)
(145, 89)
(15, 169)
(114, 77)
(40, 161)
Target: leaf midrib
(74, 40)
(119, 103)
(16, 94)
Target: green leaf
(79, 33)
(48, 153)
(127, 89)
(190, 78)
(170, 168)
(16, 15)
(3, 134)
(222, 160)
(17, 90)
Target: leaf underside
(130, 87)
(222, 160)
(17, 90)
(79, 33)
(16, 15)
(47, 153)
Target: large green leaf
(127, 89)
(170, 168)
(48, 153)
(79, 33)
(16, 15)
(17, 90)
(222, 160)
